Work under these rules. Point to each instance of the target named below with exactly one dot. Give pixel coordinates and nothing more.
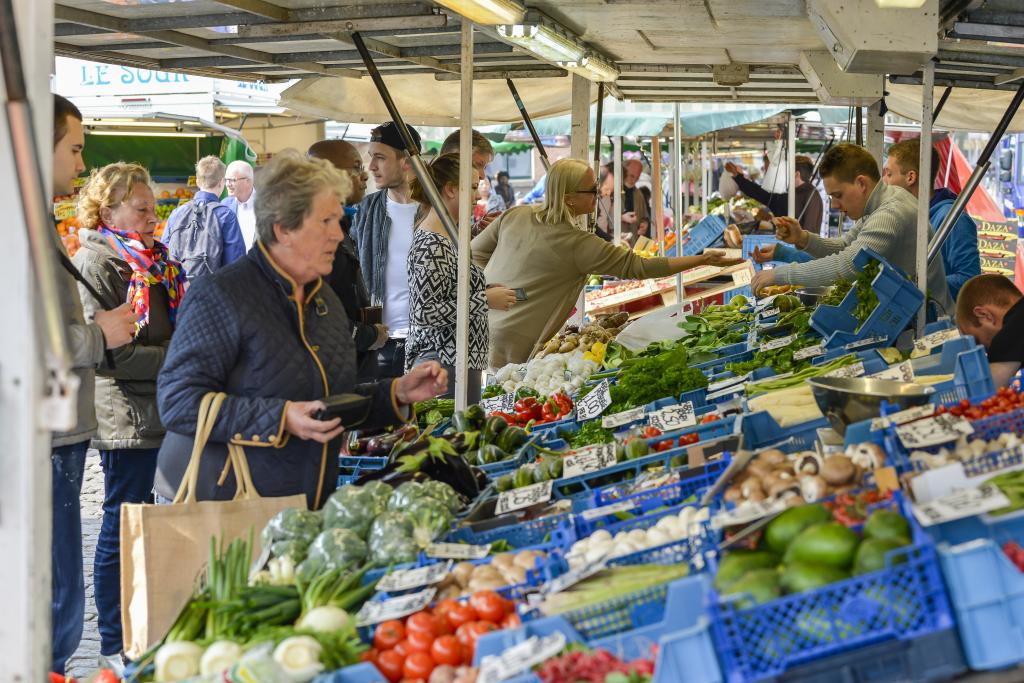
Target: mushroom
(808, 462)
(868, 456)
(759, 468)
(792, 498)
(733, 494)
(837, 470)
(779, 485)
(772, 456)
(752, 488)
(813, 487)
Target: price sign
(855, 370)
(406, 579)
(908, 415)
(768, 312)
(728, 382)
(375, 612)
(524, 497)
(506, 403)
(587, 460)
(870, 341)
(809, 352)
(964, 503)
(520, 658)
(458, 551)
(929, 342)
(901, 372)
(574, 576)
(933, 431)
(605, 510)
(594, 403)
(765, 302)
(777, 343)
(623, 418)
(741, 277)
(674, 417)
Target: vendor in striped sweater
(886, 221)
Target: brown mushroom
(772, 456)
(813, 487)
(758, 468)
(808, 462)
(733, 494)
(752, 487)
(780, 485)
(837, 470)
(868, 456)
(785, 470)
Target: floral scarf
(149, 267)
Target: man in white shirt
(242, 199)
(382, 230)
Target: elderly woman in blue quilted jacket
(268, 333)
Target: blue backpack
(196, 240)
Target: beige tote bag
(165, 548)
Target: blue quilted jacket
(240, 331)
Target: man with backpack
(204, 234)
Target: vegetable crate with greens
(434, 412)
(881, 303)
(484, 440)
(522, 533)
(793, 599)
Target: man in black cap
(382, 231)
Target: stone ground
(84, 660)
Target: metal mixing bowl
(809, 296)
(847, 400)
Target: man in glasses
(242, 198)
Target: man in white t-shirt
(242, 198)
(382, 230)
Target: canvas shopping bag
(165, 548)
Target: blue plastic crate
(691, 483)
(742, 290)
(904, 601)
(750, 242)
(519, 535)
(760, 430)
(972, 379)
(700, 236)
(364, 672)
(898, 301)
(351, 467)
(987, 592)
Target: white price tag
(933, 431)
(728, 382)
(605, 510)
(673, 417)
(855, 370)
(623, 418)
(520, 658)
(744, 513)
(861, 343)
(964, 503)
(908, 415)
(574, 576)
(741, 277)
(506, 403)
(901, 372)
(929, 342)
(777, 343)
(594, 403)
(809, 352)
(765, 302)
(768, 312)
(406, 579)
(374, 612)
(524, 497)
(458, 551)
(589, 459)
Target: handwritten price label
(901, 372)
(847, 371)
(520, 658)
(870, 341)
(406, 579)
(908, 415)
(809, 352)
(458, 551)
(375, 612)
(524, 497)
(594, 403)
(777, 343)
(933, 431)
(505, 403)
(741, 277)
(965, 503)
(587, 460)
(768, 312)
(674, 417)
(603, 511)
(935, 339)
(623, 418)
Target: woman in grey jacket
(124, 263)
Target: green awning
(434, 146)
(632, 124)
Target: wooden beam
(387, 50)
(319, 27)
(258, 7)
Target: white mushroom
(868, 455)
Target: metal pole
(791, 165)
(942, 101)
(617, 193)
(598, 123)
(422, 174)
(924, 188)
(860, 126)
(876, 131)
(529, 124)
(467, 174)
(704, 167)
(657, 203)
(984, 162)
(677, 195)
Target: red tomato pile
(1015, 553)
(1004, 401)
(445, 635)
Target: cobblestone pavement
(84, 660)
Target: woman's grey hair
(286, 186)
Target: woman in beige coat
(541, 250)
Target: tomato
(462, 634)
(418, 665)
(511, 620)
(463, 614)
(422, 621)
(390, 664)
(106, 676)
(419, 641)
(443, 607)
(710, 417)
(370, 656)
(388, 634)
(651, 432)
(402, 648)
(474, 631)
(446, 650)
(488, 605)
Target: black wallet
(353, 409)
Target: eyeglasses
(231, 181)
(590, 190)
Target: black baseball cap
(387, 133)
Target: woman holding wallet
(268, 333)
